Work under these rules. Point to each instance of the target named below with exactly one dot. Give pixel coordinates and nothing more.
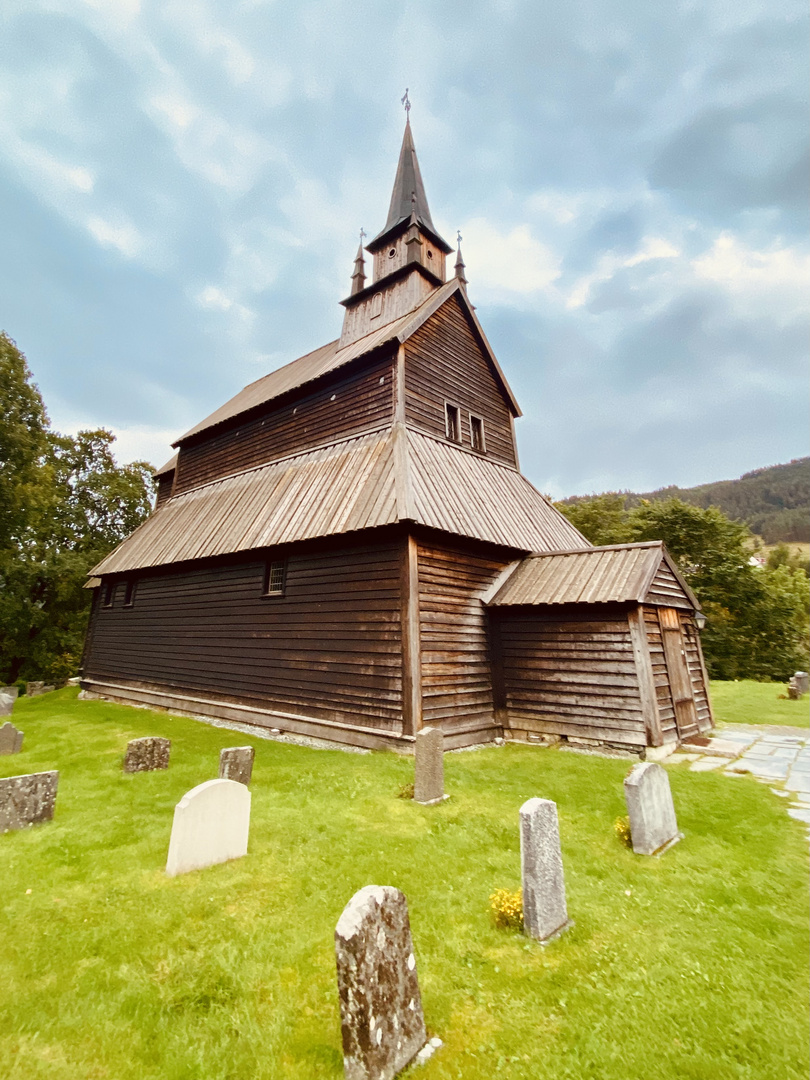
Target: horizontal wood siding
(445, 363)
(330, 647)
(666, 708)
(666, 589)
(456, 677)
(164, 488)
(571, 676)
(355, 403)
(691, 643)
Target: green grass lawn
(689, 966)
(749, 702)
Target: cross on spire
(406, 101)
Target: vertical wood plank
(411, 644)
(399, 398)
(646, 679)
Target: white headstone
(381, 1017)
(653, 826)
(211, 824)
(545, 913)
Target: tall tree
(69, 503)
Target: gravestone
(27, 800)
(10, 691)
(11, 739)
(799, 685)
(147, 754)
(236, 763)
(211, 825)
(381, 1017)
(545, 913)
(428, 766)
(34, 689)
(6, 704)
(653, 827)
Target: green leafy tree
(602, 518)
(69, 503)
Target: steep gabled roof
(329, 358)
(359, 483)
(616, 573)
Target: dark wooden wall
(666, 589)
(444, 362)
(569, 674)
(456, 677)
(164, 488)
(329, 648)
(352, 402)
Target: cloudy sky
(182, 183)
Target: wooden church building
(348, 549)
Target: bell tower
(409, 255)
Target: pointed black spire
(408, 197)
(460, 268)
(359, 275)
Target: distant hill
(774, 502)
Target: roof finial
(462, 277)
(406, 101)
(359, 274)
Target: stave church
(347, 549)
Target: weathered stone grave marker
(27, 800)
(545, 913)
(428, 766)
(236, 763)
(381, 1017)
(11, 739)
(653, 827)
(10, 691)
(6, 705)
(799, 685)
(34, 689)
(211, 825)
(147, 754)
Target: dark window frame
(479, 420)
(108, 599)
(274, 581)
(129, 592)
(452, 422)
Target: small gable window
(477, 434)
(376, 306)
(109, 593)
(129, 593)
(452, 422)
(275, 575)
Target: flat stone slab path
(772, 755)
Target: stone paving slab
(800, 815)
(797, 783)
(707, 763)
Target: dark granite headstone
(11, 739)
(381, 1017)
(27, 800)
(236, 763)
(545, 913)
(428, 766)
(147, 754)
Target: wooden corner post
(646, 678)
(411, 642)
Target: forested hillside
(774, 502)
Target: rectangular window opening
(109, 593)
(452, 422)
(129, 593)
(275, 574)
(477, 434)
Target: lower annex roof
(359, 483)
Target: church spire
(459, 267)
(359, 274)
(408, 197)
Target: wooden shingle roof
(358, 483)
(613, 574)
